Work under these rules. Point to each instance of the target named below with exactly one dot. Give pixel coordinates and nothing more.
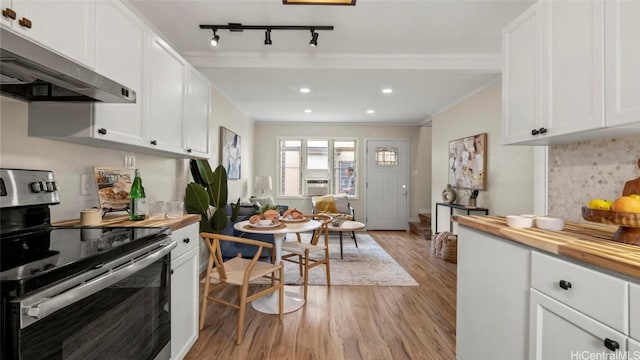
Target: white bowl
(520, 221)
(549, 223)
(265, 222)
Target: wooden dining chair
(239, 272)
(299, 252)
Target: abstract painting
(468, 162)
(230, 153)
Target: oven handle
(48, 306)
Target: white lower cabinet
(184, 291)
(560, 332)
(492, 297)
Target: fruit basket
(628, 222)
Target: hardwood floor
(350, 322)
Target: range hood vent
(33, 73)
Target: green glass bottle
(138, 205)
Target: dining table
(292, 300)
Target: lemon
(600, 204)
(635, 196)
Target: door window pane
(386, 156)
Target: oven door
(119, 311)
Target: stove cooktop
(34, 260)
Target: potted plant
(207, 195)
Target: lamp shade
(263, 183)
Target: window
(302, 159)
(386, 156)
(290, 167)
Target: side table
(458, 207)
(348, 226)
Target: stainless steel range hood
(34, 73)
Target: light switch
(85, 185)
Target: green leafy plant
(209, 188)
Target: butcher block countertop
(590, 243)
(123, 220)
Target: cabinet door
(521, 73)
(492, 307)
(560, 332)
(165, 83)
(120, 42)
(622, 59)
(573, 66)
(184, 303)
(6, 21)
(65, 26)
(196, 125)
(634, 310)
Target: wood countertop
(590, 243)
(123, 220)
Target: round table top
(348, 225)
(289, 227)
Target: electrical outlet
(129, 161)
(85, 185)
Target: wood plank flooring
(350, 322)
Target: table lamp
(263, 183)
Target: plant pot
(471, 202)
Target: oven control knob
(37, 186)
(51, 186)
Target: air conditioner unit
(316, 187)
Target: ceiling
(431, 53)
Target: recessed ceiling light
(307, 110)
(371, 111)
(305, 90)
(387, 90)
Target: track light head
(267, 37)
(314, 38)
(215, 39)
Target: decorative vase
(449, 195)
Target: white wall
(162, 178)
(224, 113)
(266, 155)
(509, 168)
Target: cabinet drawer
(598, 295)
(634, 311)
(187, 238)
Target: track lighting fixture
(314, 38)
(237, 27)
(215, 39)
(267, 37)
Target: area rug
(366, 265)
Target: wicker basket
(445, 246)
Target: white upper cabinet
(67, 27)
(196, 123)
(120, 44)
(521, 105)
(573, 66)
(165, 83)
(569, 68)
(622, 62)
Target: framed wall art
(468, 162)
(230, 153)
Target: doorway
(387, 185)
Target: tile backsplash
(589, 169)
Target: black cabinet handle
(564, 284)
(611, 344)
(186, 240)
(534, 132)
(189, 151)
(542, 131)
(102, 131)
(154, 142)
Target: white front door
(387, 184)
